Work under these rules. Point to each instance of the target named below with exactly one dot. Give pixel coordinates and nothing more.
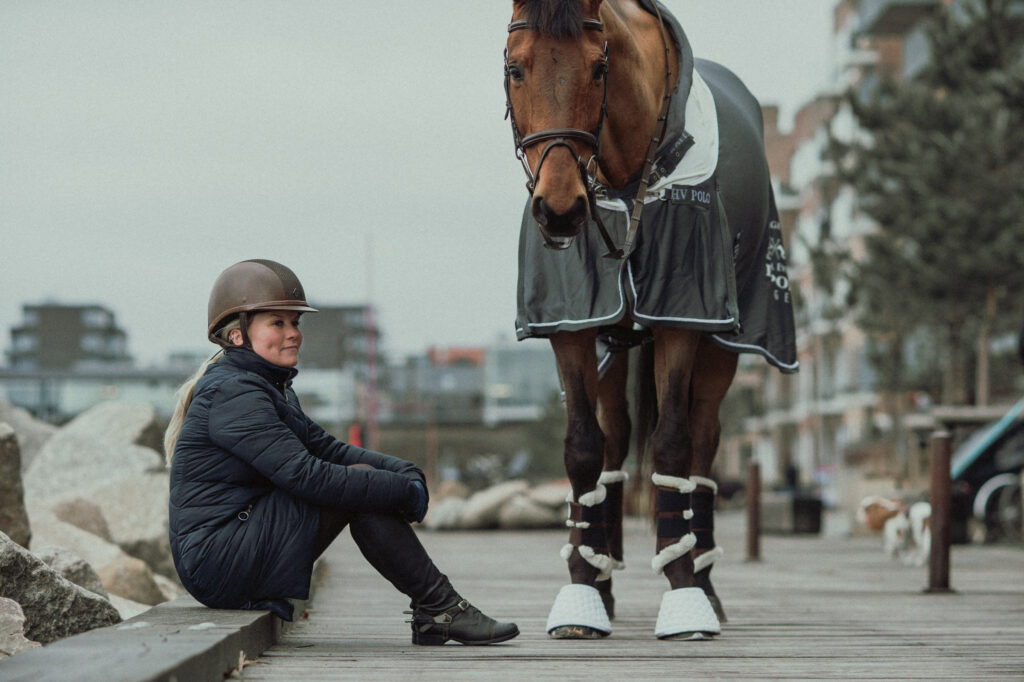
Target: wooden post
(753, 511)
(940, 491)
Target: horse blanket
(709, 253)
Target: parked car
(986, 476)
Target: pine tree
(941, 172)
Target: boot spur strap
(448, 615)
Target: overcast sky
(147, 145)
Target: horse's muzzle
(560, 228)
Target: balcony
(892, 17)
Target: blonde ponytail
(184, 393)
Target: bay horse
(627, 140)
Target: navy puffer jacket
(249, 474)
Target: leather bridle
(559, 137)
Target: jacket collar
(248, 360)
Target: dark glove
(416, 509)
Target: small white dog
(906, 531)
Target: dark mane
(555, 18)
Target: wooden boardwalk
(827, 607)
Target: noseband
(559, 137)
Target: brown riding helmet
(250, 286)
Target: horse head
(556, 66)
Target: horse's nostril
(540, 210)
(565, 224)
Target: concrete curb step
(179, 641)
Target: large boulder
(54, 607)
(522, 511)
(552, 494)
(48, 530)
(119, 422)
(31, 432)
(13, 517)
(135, 510)
(132, 579)
(72, 567)
(119, 573)
(482, 508)
(82, 513)
(12, 629)
(70, 462)
(445, 514)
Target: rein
(559, 137)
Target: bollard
(940, 492)
(753, 511)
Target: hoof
(716, 604)
(687, 614)
(604, 587)
(576, 632)
(578, 613)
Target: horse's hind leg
(712, 375)
(578, 611)
(613, 417)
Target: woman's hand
(417, 506)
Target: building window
(25, 342)
(96, 318)
(91, 343)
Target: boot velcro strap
(673, 513)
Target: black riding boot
(390, 545)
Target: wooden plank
(815, 607)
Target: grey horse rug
(709, 253)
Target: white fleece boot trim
(591, 499)
(686, 609)
(673, 552)
(706, 482)
(602, 562)
(578, 605)
(707, 559)
(613, 477)
(683, 485)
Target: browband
(519, 24)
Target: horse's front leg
(613, 417)
(686, 612)
(578, 612)
(714, 370)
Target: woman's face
(274, 336)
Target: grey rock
(70, 462)
(12, 629)
(170, 589)
(128, 608)
(71, 566)
(32, 433)
(13, 517)
(111, 563)
(445, 514)
(135, 510)
(131, 578)
(119, 422)
(54, 607)
(482, 508)
(83, 514)
(49, 530)
(524, 512)
(551, 494)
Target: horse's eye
(600, 69)
(514, 72)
